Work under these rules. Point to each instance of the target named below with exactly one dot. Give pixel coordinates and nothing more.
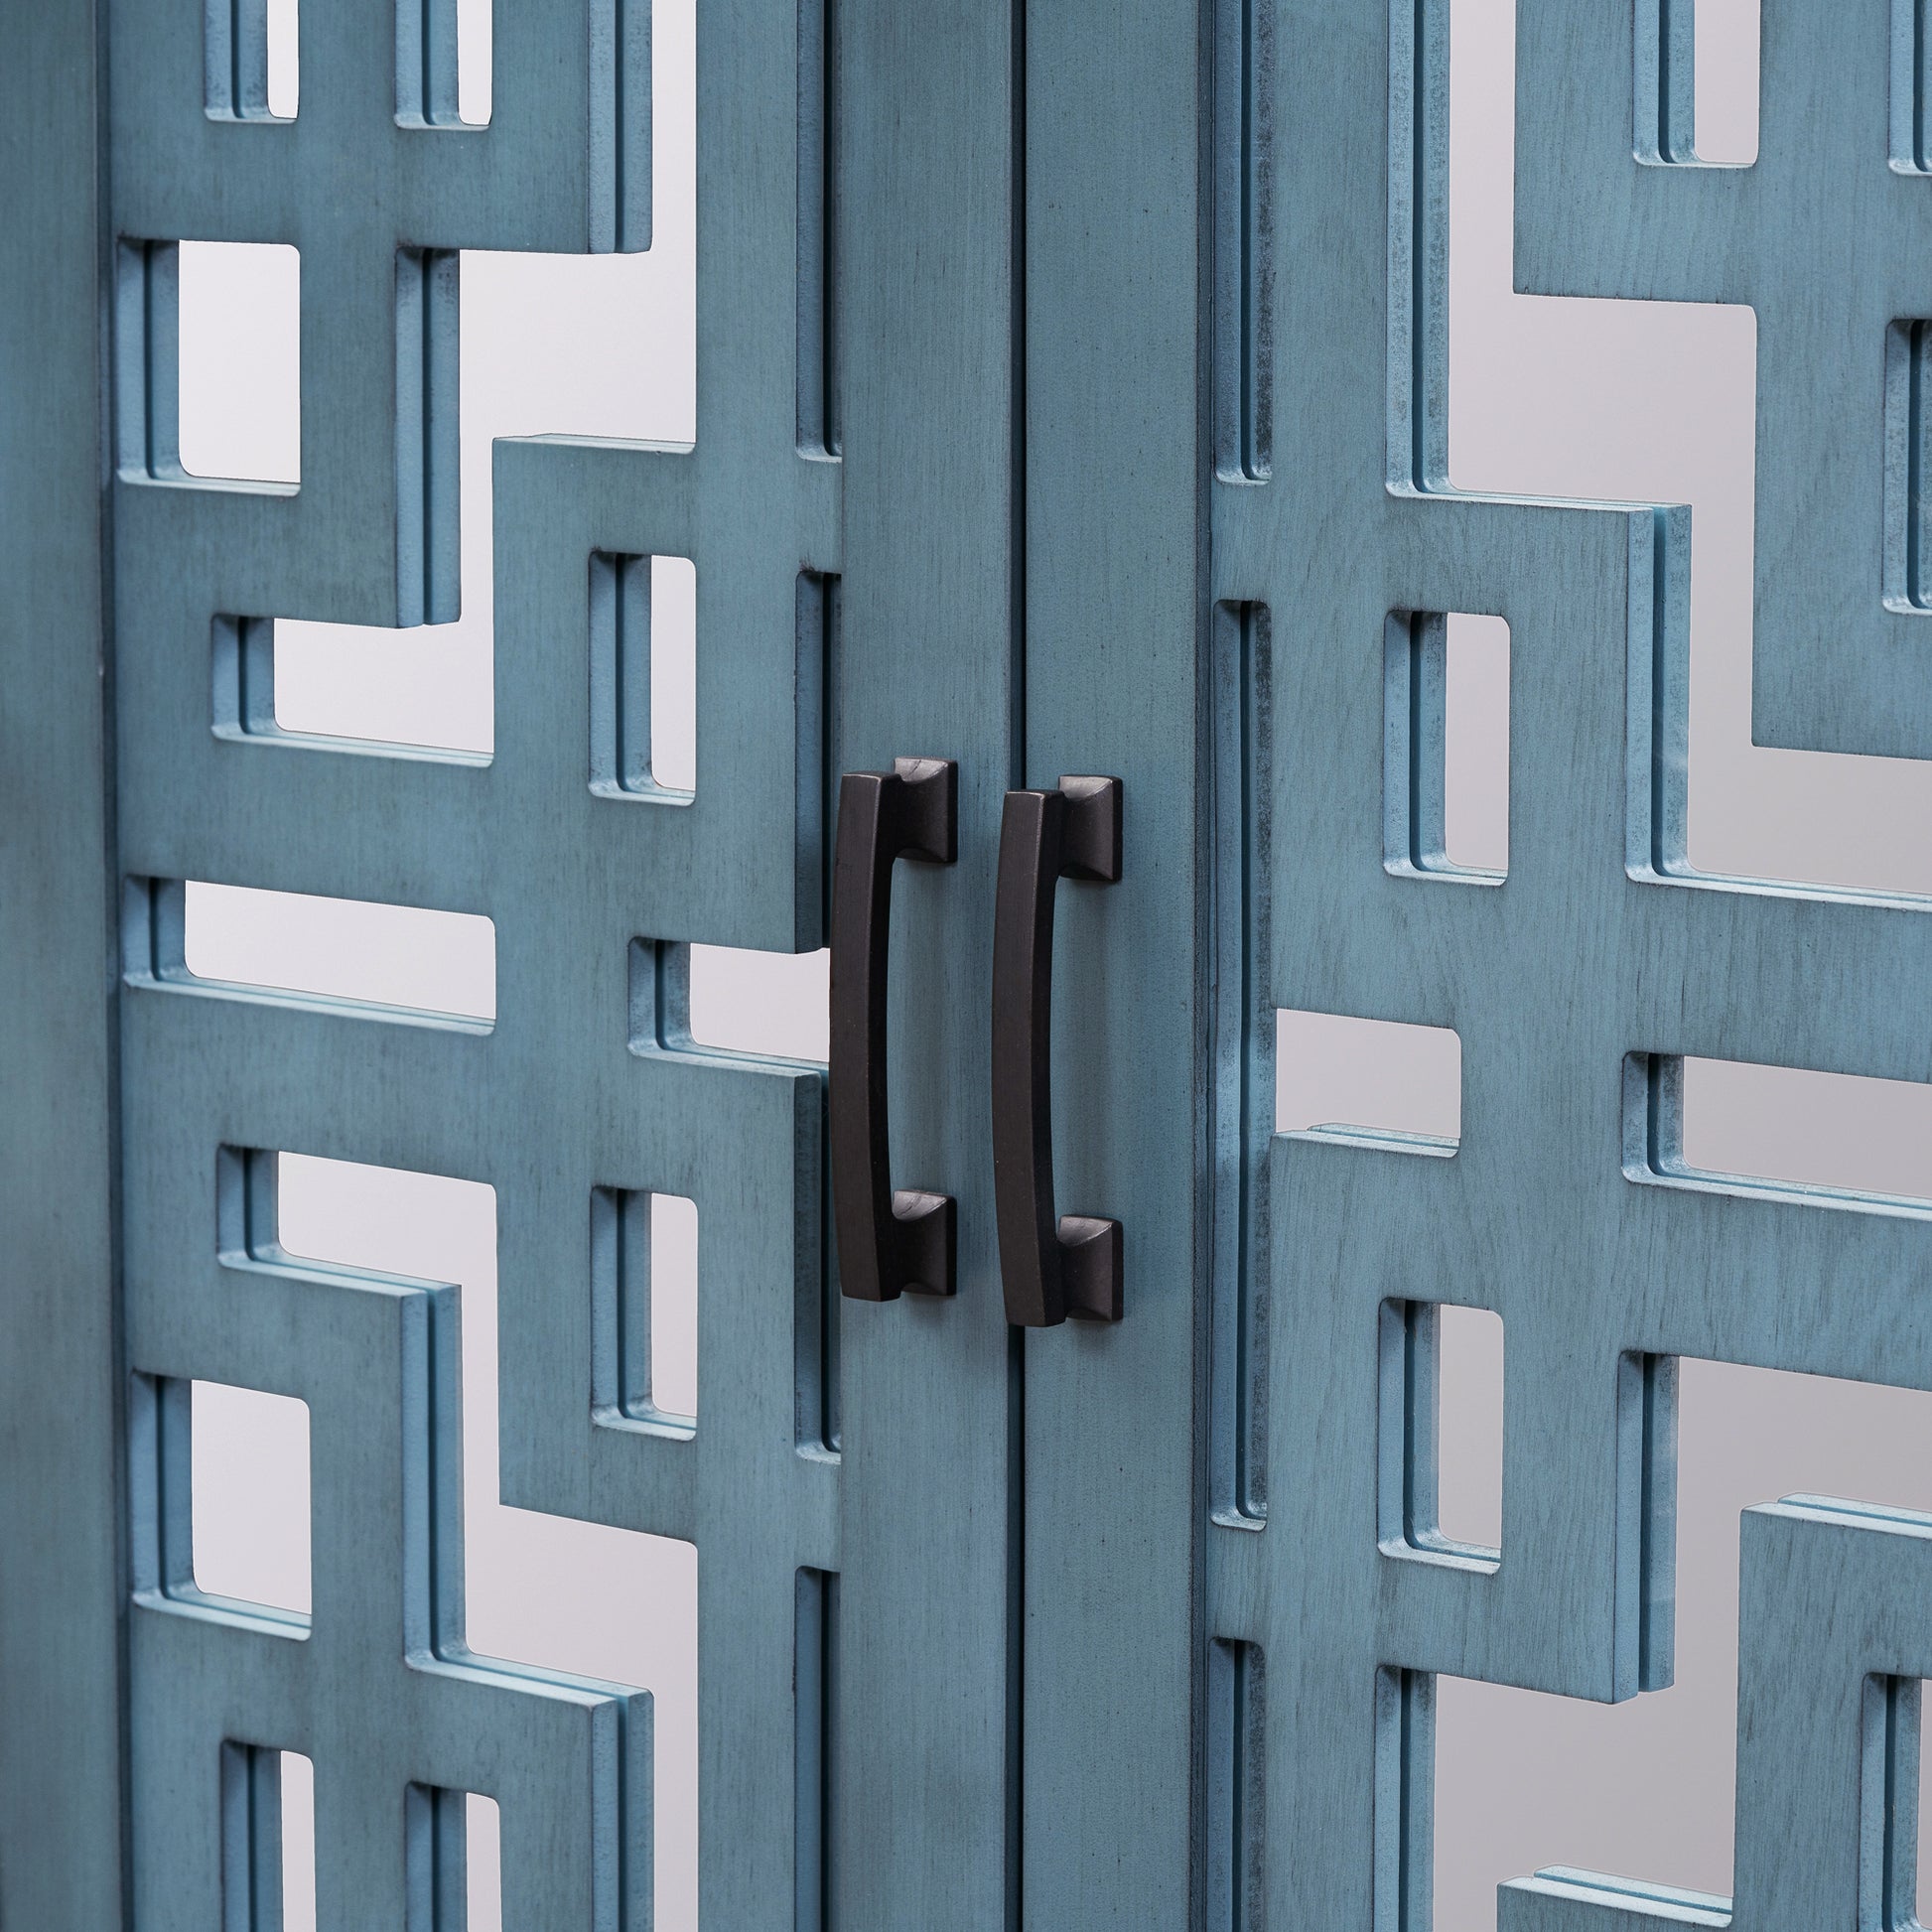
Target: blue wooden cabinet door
(1579, 982)
(1072, 401)
(925, 1760)
(587, 1089)
(1116, 1415)
(852, 1484)
(1243, 548)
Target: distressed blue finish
(857, 1737)
(1116, 581)
(379, 1690)
(930, 1749)
(61, 1786)
(1825, 236)
(588, 1079)
(1072, 399)
(1576, 984)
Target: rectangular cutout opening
(1522, 1781)
(338, 681)
(1244, 273)
(778, 1005)
(421, 690)
(1244, 1096)
(484, 1861)
(644, 678)
(1911, 88)
(1697, 82)
(1727, 34)
(729, 999)
(1237, 1789)
(438, 1228)
(268, 1838)
(1379, 1083)
(1439, 1483)
(407, 959)
(1405, 1798)
(445, 63)
(644, 1290)
(248, 1507)
(1891, 1814)
(1446, 737)
(429, 531)
(208, 362)
(240, 368)
(453, 1848)
(818, 614)
(1908, 467)
(815, 1675)
(817, 345)
(251, 60)
(1837, 1139)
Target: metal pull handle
(887, 1241)
(1070, 1265)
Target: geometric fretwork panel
(585, 1085)
(1579, 984)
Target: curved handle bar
(889, 1241)
(1054, 1266)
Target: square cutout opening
(644, 1288)
(248, 1502)
(240, 366)
(775, 1004)
(1439, 1483)
(644, 678)
(1368, 1082)
(1446, 737)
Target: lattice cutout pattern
(1581, 989)
(377, 1686)
(1577, 989)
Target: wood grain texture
(1823, 237)
(1117, 459)
(1575, 983)
(588, 1078)
(931, 1489)
(1072, 399)
(61, 1581)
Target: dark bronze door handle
(1069, 1265)
(887, 1241)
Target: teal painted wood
(1116, 607)
(379, 1691)
(1071, 400)
(594, 899)
(62, 1783)
(589, 1078)
(928, 1831)
(1822, 236)
(1575, 986)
